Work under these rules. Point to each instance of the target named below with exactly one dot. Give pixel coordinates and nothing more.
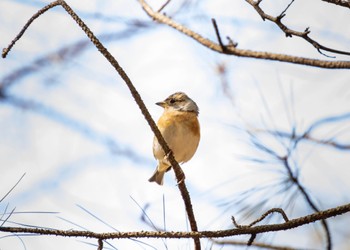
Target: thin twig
(6, 50)
(8, 217)
(100, 244)
(285, 10)
(273, 210)
(13, 187)
(164, 5)
(223, 47)
(262, 217)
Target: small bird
(180, 128)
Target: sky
(70, 124)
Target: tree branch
(177, 169)
(293, 223)
(232, 50)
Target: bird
(180, 129)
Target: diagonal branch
(177, 169)
(232, 50)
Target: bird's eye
(172, 100)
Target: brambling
(180, 128)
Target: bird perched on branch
(180, 128)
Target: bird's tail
(157, 177)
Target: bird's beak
(162, 104)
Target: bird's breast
(181, 131)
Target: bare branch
(290, 32)
(262, 217)
(100, 244)
(5, 51)
(285, 10)
(232, 50)
(293, 223)
(164, 5)
(218, 34)
(273, 210)
(177, 169)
